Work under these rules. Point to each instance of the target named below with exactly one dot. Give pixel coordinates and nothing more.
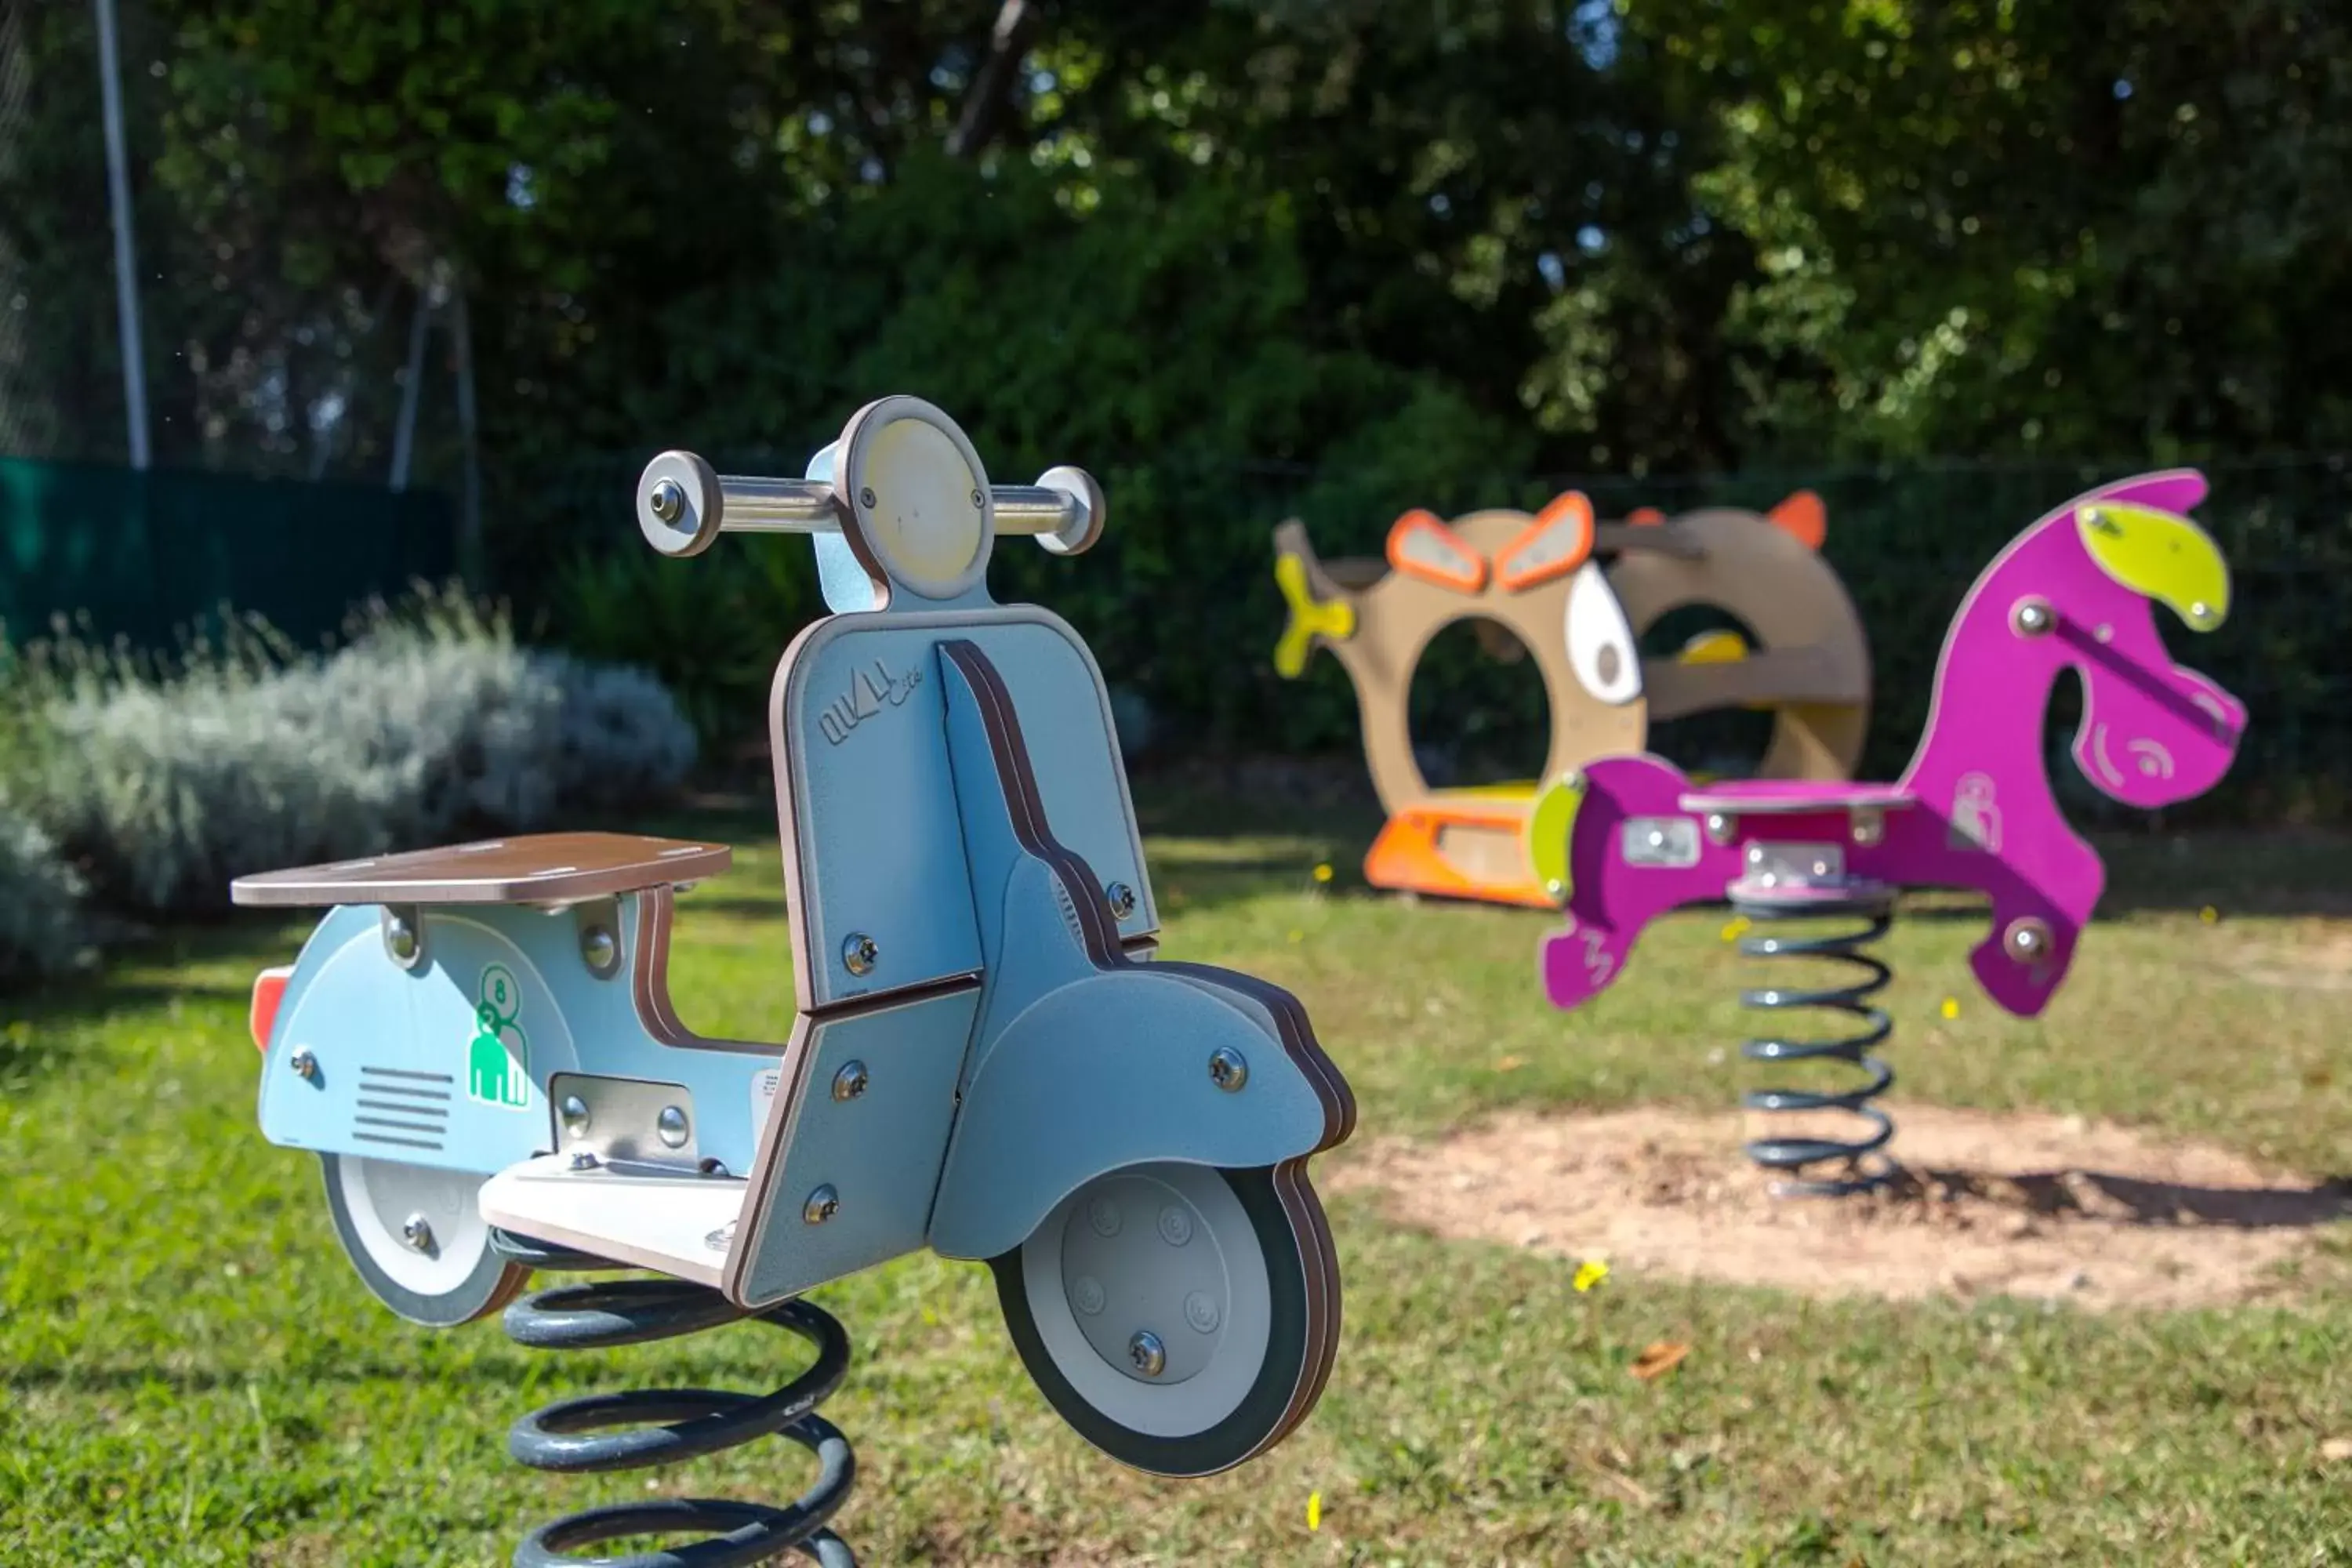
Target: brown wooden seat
(545, 867)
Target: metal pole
(403, 434)
(126, 267)
(469, 513)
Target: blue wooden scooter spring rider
(479, 1041)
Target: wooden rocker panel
(547, 867)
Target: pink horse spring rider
(1973, 810)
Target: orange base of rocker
(1470, 845)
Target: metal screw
(668, 500)
(866, 496)
(598, 948)
(2199, 612)
(1718, 827)
(417, 1233)
(400, 941)
(576, 1116)
(858, 953)
(1869, 828)
(821, 1206)
(850, 1081)
(1227, 1069)
(1149, 1356)
(582, 1160)
(2027, 939)
(304, 1064)
(671, 1125)
(2033, 618)
(979, 501)
(1122, 899)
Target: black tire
(1263, 1415)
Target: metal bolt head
(2026, 940)
(1869, 828)
(668, 500)
(584, 1159)
(979, 501)
(671, 1126)
(304, 1064)
(2033, 618)
(1122, 899)
(576, 1119)
(400, 939)
(850, 1082)
(1718, 827)
(866, 496)
(858, 953)
(417, 1232)
(1228, 1069)
(1147, 1355)
(598, 948)
(821, 1206)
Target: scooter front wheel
(1182, 1318)
(417, 1237)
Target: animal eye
(1600, 643)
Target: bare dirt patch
(2027, 1205)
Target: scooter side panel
(410, 1067)
(879, 1149)
(410, 1070)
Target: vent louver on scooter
(405, 1109)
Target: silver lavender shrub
(431, 721)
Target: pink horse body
(1975, 809)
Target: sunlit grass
(196, 1376)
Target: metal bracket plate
(625, 1121)
(1770, 864)
(1672, 842)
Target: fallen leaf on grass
(1508, 1064)
(1659, 1360)
(2336, 1448)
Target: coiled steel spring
(643, 1427)
(1863, 1156)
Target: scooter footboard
(1108, 1072)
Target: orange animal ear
(1556, 543)
(1420, 546)
(1803, 519)
(1645, 517)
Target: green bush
(165, 784)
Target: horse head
(2079, 590)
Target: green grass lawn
(196, 1376)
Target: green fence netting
(144, 557)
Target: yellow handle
(1308, 618)
(1551, 828)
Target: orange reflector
(269, 991)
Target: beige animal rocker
(1536, 582)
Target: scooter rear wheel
(1179, 1317)
(416, 1235)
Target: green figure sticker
(498, 1068)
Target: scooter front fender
(1108, 1072)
